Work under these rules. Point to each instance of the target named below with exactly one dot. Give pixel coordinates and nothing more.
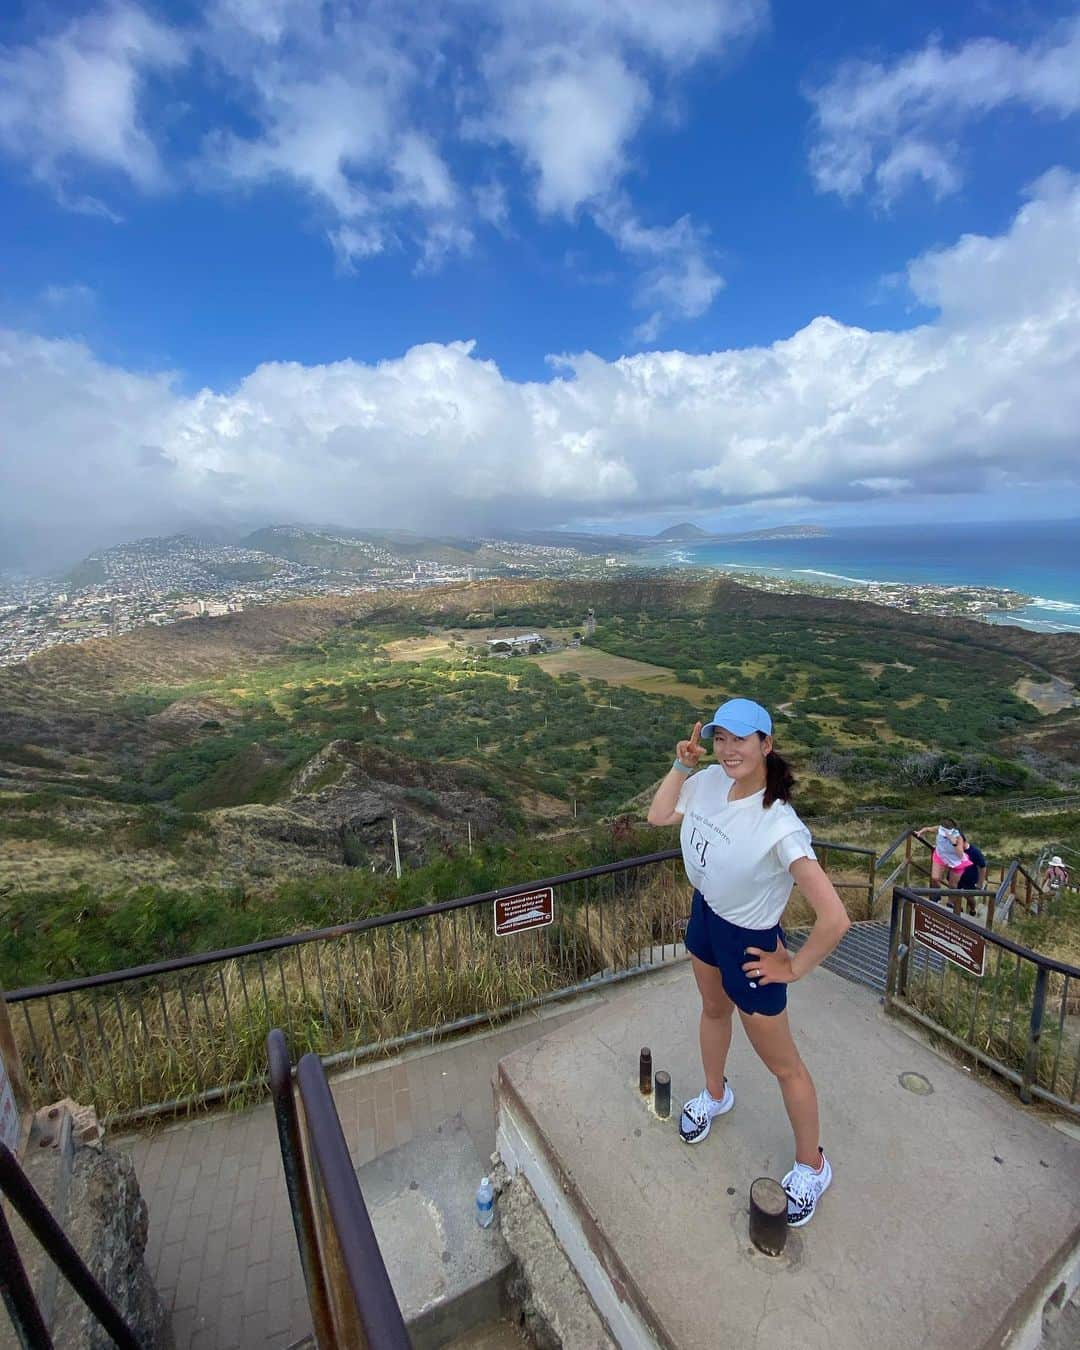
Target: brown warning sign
(951, 940)
(515, 913)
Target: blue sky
(719, 259)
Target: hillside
(272, 749)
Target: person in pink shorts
(949, 859)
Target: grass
(620, 671)
(993, 1013)
(181, 1037)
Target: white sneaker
(697, 1115)
(805, 1187)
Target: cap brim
(735, 727)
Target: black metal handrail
(22, 1306)
(963, 1002)
(355, 983)
(355, 926)
(361, 1296)
(181, 963)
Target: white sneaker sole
(801, 1223)
(728, 1104)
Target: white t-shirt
(737, 854)
(947, 848)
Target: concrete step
(448, 1273)
(498, 1335)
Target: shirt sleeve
(794, 846)
(686, 794)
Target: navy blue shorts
(723, 945)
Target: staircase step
(498, 1335)
(447, 1272)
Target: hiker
(973, 877)
(743, 848)
(1057, 874)
(948, 854)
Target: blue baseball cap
(740, 716)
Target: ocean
(1037, 558)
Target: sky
(466, 266)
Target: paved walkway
(222, 1249)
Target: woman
(949, 855)
(743, 848)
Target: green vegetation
(837, 676)
(127, 794)
(206, 1029)
(88, 930)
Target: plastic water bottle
(485, 1203)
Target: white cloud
(985, 395)
(569, 82)
(74, 99)
(570, 116)
(677, 280)
(882, 126)
(371, 111)
(76, 296)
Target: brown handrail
(337, 930)
(297, 1182)
(365, 1296)
(901, 935)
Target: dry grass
(993, 1014)
(593, 664)
(177, 1038)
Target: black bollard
(662, 1099)
(768, 1216)
(645, 1072)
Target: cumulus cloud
(75, 98)
(985, 395)
(881, 127)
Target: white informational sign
(9, 1115)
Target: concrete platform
(447, 1272)
(952, 1218)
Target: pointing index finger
(695, 738)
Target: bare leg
(771, 1038)
(715, 1030)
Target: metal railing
(1019, 1017)
(353, 1305)
(18, 1294)
(903, 864)
(167, 1036)
(1015, 878)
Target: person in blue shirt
(973, 877)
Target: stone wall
(93, 1193)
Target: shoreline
(993, 604)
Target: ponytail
(779, 780)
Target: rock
(92, 1192)
(555, 1307)
(108, 1223)
(186, 719)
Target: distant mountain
(684, 531)
(687, 533)
(358, 550)
(773, 532)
